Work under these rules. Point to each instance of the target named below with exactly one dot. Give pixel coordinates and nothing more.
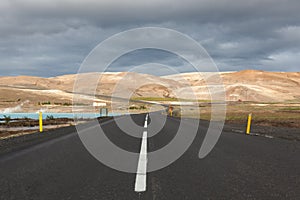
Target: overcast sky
(52, 37)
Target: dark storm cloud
(51, 37)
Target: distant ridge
(246, 85)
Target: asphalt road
(239, 167)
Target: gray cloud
(52, 37)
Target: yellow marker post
(171, 110)
(41, 121)
(249, 124)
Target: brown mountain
(248, 85)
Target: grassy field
(163, 99)
(266, 114)
(278, 114)
(153, 99)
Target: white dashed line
(141, 174)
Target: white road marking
(146, 121)
(263, 135)
(141, 174)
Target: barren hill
(25, 93)
(248, 85)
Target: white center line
(141, 174)
(146, 123)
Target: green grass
(293, 101)
(153, 99)
(290, 109)
(7, 119)
(168, 99)
(49, 117)
(142, 107)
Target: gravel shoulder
(287, 133)
(21, 142)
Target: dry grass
(275, 114)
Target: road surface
(239, 167)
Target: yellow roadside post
(249, 124)
(41, 121)
(171, 110)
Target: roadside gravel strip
(266, 131)
(24, 141)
